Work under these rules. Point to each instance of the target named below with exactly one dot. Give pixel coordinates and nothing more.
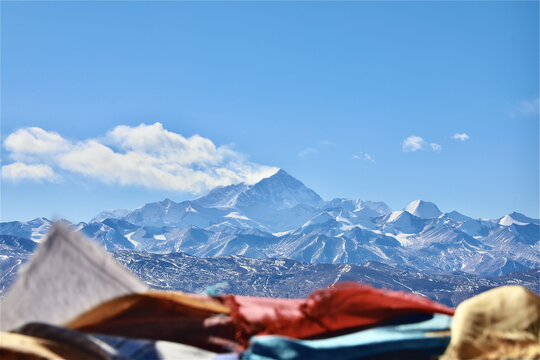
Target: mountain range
(274, 277)
(279, 217)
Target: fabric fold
(500, 323)
(67, 275)
(426, 339)
(161, 315)
(344, 306)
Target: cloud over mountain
(144, 155)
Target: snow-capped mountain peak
(456, 216)
(279, 191)
(509, 219)
(167, 202)
(113, 214)
(34, 229)
(517, 219)
(423, 209)
(378, 206)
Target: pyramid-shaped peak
(282, 179)
(279, 191)
(281, 175)
(281, 172)
(423, 209)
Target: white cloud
(327, 143)
(365, 157)
(435, 147)
(20, 171)
(307, 151)
(529, 107)
(413, 143)
(144, 155)
(460, 137)
(154, 139)
(33, 141)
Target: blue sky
(115, 104)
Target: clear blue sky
(330, 92)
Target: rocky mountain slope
(274, 277)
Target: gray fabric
(83, 342)
(107, 347)
(154, 350)
(67, 275)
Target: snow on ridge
(128, 237)
(37, 233)
(282, 233)
(404, 239)
(395, 215)
(236, 215)
(508, 220)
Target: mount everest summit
(279, 217)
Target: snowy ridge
(423, 209)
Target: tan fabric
(149, 304)
(500, 323)
(16, 346)
(160, 315)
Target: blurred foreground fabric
(500, 323)
(73, 301)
